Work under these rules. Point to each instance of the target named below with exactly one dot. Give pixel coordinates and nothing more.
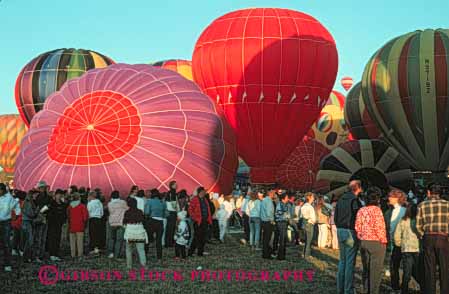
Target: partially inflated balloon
(46, 74)
(183, 67)
(12, 131)
(129, 125)
(373, 162)
(299, 169)
(406, 91)
(357, 117)
(330, 128)
(271, 71)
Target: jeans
(254, 231)
(5, 241)
(282, 228)
(309, 230)
(115, 240)
(140, 247)
(157, 226)
(395, 262)
(170, 229)
(411, 268)
(267, 232)
(348, 244)
(436, 252)
(375, 259)
(40, 237)
(27, 231)
(223, 226)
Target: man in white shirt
(309, 219)
(96, 226)
(7, 205)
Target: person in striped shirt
(432, 224)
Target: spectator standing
(200, 213)
(77, 217)
(155, 210)
(57, 216)
(95, 209)
(309, 219)
(117, 208)
(135, 234)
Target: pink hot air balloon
(125, 125)
(347, 83)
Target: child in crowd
(182, 235)
(222, 216)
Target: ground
(231, 255)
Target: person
(57, 216)
(133, 191)
(40, 223)
(77, 215)
(406, 237)
(16, 225)
(200, 213)
(117, 208)
(309, 219)
(95, 209)
(432, 224)
(333, 226)
(282, 216)
(29, 213)
(7, 205)
(210, 228)
(140, 198)
(245, 217)
(323, 214)
(155, 210)
(222, 217)
(182, 235)
(215, 224)
(345, 213)
(371, 231)
(135, 234)
(267, 221)
(396, 200)
(172, 207)
(254, 220)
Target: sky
(143, 31)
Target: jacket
(346, 211)
(29, 210)
(78, 216)
(195, 210)
(182, 234)
(57, 213)
(155, 207)
(117, 209)
(406, 236)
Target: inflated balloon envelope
(129, 125)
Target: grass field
(229, 256)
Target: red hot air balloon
(299, 169)
(347, 83)
(128, 125)
(271, 70)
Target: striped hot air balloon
(357, 118)
(181, 66)
(330, 127)
(12, 131)
(46, 73)
(299, 169)
(372, 161)
(405, 89)
(129, 125)
(347, 83)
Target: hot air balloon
(347, 83)
(181, 66)
(330, 128)
(357, 117)
(373, 162)
(271, 70)
(405, 89)
(46, 73)
(129, 125)
(12, 131)
(299, 169)
(243, 172)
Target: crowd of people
(411, 230)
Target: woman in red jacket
(199, 212)
(77, 215)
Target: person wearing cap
(432, 224)
(57, 216)
(182, 235)
(397, 201)
(200, 213)
(40, 223)
(7, 205)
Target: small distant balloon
(347, 83)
